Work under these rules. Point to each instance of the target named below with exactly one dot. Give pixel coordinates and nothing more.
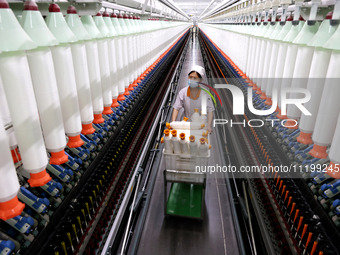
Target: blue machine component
(100, 131)
(319, 178)
(298, 150)
(75, 159)
(331, 189)
(53, 188)
(301, 157)
(72, 162)
(294, 146)
(119, 112)
(21, 224)
(109, 120)
(63, 174)
(265, 107)
(97, 135)
(314, 174)
(276, 123)
(292, 135)
(93, 138)
(271, 117)
(282, 130)
(90, 145)
(128, 99)
(258, 99)
(336, 203)
(114, 116)
(304, 151)
(6, 247)
(104, 127)
(85, 150)
(307, 162)
(37, 204)
(310, 161)
(124, 103)
(81, 153)
(337, 208)
(131, 96)
(121, 107)
(261, 105)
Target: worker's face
(194, 79)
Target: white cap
(198, 69)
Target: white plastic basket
(185, 176)
(184, 162)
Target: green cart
(186, 197)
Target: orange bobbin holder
(291, 124)
(319, 151)
(268, 101)
(121, 97)
(11, 208)
(258, 91)
(87, 129)
(98, 118)
(280, 116)
(39, 179)
(114, 103)
(58, 158)
(130, 87)
(74, 141)
(16, 155)
(126, 93)
(249, 81)
(305, 138)
(139, 79)
(143, 75)
(107, 110)
(333, 170)
(135, 83)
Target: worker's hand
(209, 129)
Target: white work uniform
(183, 100)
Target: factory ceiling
(196, 8)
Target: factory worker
(190, 97)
